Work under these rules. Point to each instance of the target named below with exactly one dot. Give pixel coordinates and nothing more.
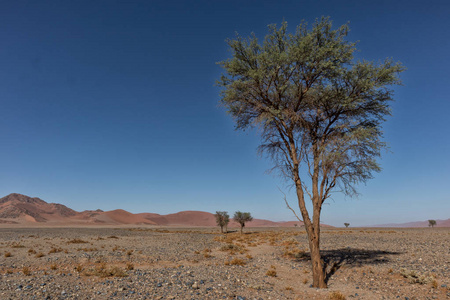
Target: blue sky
(113, 104)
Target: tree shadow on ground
(334, 259)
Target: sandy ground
(201, 263)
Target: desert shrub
(87, 249)
(77, 241)
(8, 254)
(17, 245)
(235, 262)
(102, 271)
(112, 237)
(130, 266)
(53, 266)
(26, 271)
(40, 254)
(32, 251)
(79, 268)
(434, 284)
(305, 280)
(231, 248)
(295, 253)
(55, 250)
(336, 296)
(271, 273)
(415, 277)
(129, 252)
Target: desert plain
(156, 262)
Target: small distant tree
(222, 220)
(431, 223)
(242, 218)
(346, 225)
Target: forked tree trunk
(313, 232)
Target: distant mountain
(17, 208)
(439, 223)
(24, 210)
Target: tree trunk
(317, 264)
(241, 228)
(221, 229)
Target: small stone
(195, 285)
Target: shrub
(26, 271)
(55, 250)
(8, 254)
(271, 273)
(77, 241)
(235, 262)
(336, 296)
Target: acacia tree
(431, 223)
(319, 112)
(346, 225)
(222, 220)
(242, 218)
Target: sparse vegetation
(346, 225)
(271, 273)
(431, 223)
(235, 262)
(26, 271)
(8, 254)
(77, 241)
(222, 220)
(416, 277)
(336, 296)
(55, 250)
(242, 218)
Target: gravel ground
(195, 263)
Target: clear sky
(113, 104)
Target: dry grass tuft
(40, 254)
(55, 250)
(235, 262)
(336, 296)
(17, 245)
(26, 271)
(102, 271)
(271, 273)
(77, 241)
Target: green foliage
(431, 223)
(242, 217)
(222, 219)
(315, 105)
(346, 224)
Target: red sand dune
(24, 210)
